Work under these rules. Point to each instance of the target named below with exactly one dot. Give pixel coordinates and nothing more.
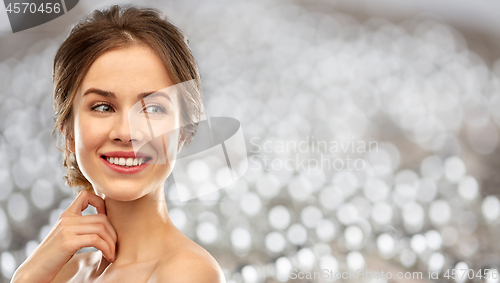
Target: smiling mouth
(126, 162)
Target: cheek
(89, 135)
(166, 146)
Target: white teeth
(128, 162)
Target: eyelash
(163, 110)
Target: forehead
(127, 70)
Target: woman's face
(111, 121)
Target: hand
(72, 232)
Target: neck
(142, 225)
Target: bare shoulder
(73, 266)
(191, 264)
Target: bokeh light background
(424, 87)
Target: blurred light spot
(418, 243)
(279, 217)
(206, 232)
(306, 259)
(403, 194)
(449, 235)
(268, 186)
(7, 186)
(173, 193)
(407, 258)
(30, 247)
(468, 188)
(426, 190)
(355, 260)
(42, 193)
(250, 274)
(241, 238)
(24, 172)
(386, 245)
(208, 216)
(300, 188)
(353, 237)
(9, 264)
(432, 167)
(483, 139)
(325, 230)
(382, 213)
(413, 216)
(250, 203)
(18, 207)
(493, 276)
(283, 269)
(297, 234)
(434, 240)
(44, 232)
(310, 216)
(347, 213)
(347, 182)
(461, 271)
(4, 224)
(329, 262)
(331, 197)
(376, 190)
(454, 169)
(229, 207)
(436, 261)
(439, 212)
(407, 177)
(275, 242)
(491, 208)
(178, 217)
(198, 171)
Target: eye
(155, 109)
(102, 107)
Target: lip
(126, 154)
(124, 170)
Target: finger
(98, 229)
(83, 200)
(103, 219)
(92, 240)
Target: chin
(122, 190)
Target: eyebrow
(110, 94)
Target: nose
(121, 130)
(125, 129)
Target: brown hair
(106, 29)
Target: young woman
(112, 61)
